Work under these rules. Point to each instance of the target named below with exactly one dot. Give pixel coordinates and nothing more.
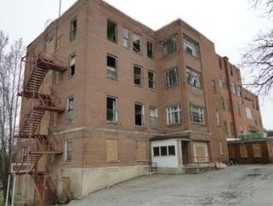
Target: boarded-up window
(231, 152)
(200, 152)
(243, 151)
(141, 150)
(112, 150)
(257, 152)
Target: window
(171, 150)
(228, 105)
(164, 151)
(111, 31)
(111, 67)
(197, 114)
(156, 151)
(171, 77)
(169, 46)
(139, 114)
(67, 150)
(150, 49)
(221, 148)
(248, 113)
(173, 115)
(190, 46)
(243, 151)
(257, 152)
(233, 88)
(151, 80)
(138, 75)
(222, 82)
(213, 86)
(73, 29)
(217, 118)
(223, 103)
(72, 65)
(69, 109)
(126, 38)
(220, 63)
(193, 78)
(153, 117)
(60, 42)
(226, 127)
(136, 43)
(141, 151)
(112, 150)
(111, 109)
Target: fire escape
(38, 144)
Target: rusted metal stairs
(39, 144)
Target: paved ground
(241, 185)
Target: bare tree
(258, 58)
(10, 77)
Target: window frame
(68, 150)
(142, 114)
(69, 109)
(150, 50)
(192, 75)
(169, 46)
(152, 81)
(197, 114)
(153, 114)
(173, 114)
(73, 28)
(114, 109)
(111, 37)
(72, 65)
(191, 47)
(111, 72)
(126, 39)
(171, 77)
(138, 76)
(136, 43)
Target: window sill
(200, 124)
(112, 122)
(174, 125)
(152, 90)
(113, 161)
(113, 78)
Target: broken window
(137, 75)
(139, 114)
(190, 46)
(73, 29)
(153, 117)
(173, 115)
(68, 150)
(69, 109)
(171, 77)
(111, 67)
(151, 80)
(197, 114)
(193, 77)
(126, 38)
(111, 108)
(169, 46)
(149, 49)
(72, 65)
(111, 31)
(136, 43)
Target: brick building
(100, 88)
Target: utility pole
(60, 7)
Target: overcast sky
(230, 24)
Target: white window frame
(126, 38)
(197, 114)
(136, 43)
(171, 77)
(72, 65)
(68, 150)
(193, 77)
(173, 114)
(248, 113)
(150, 51)
(138, 77)
(190, 46)
(113, 110)
(69, 109)
(153, 117)
(73, 28)
(111, 70)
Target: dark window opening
(111, 31)
(171, 150)
(163, 151)
(156, 151)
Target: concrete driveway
(241, 185)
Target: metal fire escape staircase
(40, 104)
